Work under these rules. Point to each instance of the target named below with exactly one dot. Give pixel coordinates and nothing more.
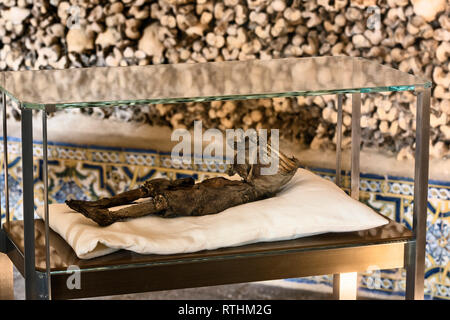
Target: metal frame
(345, 285)
(5, 158)
(337, 294)
(5, 169)
(340, 98)
(356, 144)
(38, 284)
(6, 270)
(46, 212)
(31, 288)
(415, 269)
(415, 255)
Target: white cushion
(307, 205)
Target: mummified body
(184, 197)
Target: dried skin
(184, 197)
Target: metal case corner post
(345, 285)
(415, 259)
(35, 282)
(28, 204)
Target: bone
(412, 36)
(78, 40)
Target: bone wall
(413, 36)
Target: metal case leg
(46, 212)
(415, 261)
(339, 141)
(31, 286)
(5, 159)
(6, 269)
(345, 285)
(356, 142)
(36, 283)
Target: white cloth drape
(307, 205)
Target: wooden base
(345, 286)
(6, 278)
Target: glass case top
(190, 82)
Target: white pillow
(307, 205)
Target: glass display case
(43, 257)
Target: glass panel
(236, 80)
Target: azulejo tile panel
(393, 197)
(86, 172)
